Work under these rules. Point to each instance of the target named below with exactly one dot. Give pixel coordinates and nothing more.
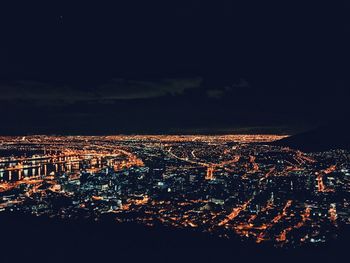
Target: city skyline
(174, 131)
(228, 185)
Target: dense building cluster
(229, 186)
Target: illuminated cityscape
(174, 131)
(224, 185)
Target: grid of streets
(228, 185)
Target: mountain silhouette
(319, 139)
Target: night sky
(172, 66)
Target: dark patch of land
(40, 239)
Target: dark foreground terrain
(39, 239)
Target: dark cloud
(136, 89)
(131, 66)
(115, 89)
(221, 91)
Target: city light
(226, 185)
